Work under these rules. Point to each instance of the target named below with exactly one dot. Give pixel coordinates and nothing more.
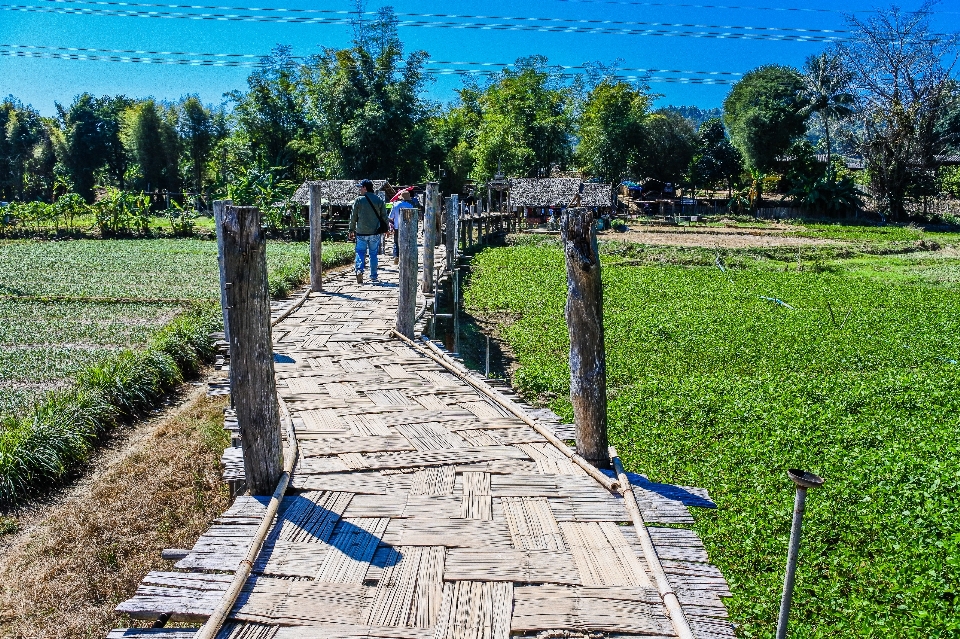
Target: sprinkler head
(804, 479)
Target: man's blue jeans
(367, 243)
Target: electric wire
(485, 26)
(448, 66)
(113, 55)
(625, 23)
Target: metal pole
(456, 310)
(486, 369)
(803, 481)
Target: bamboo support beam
(431, 202)
(667, 595)
(407, 307)
(316, 240)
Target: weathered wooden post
(453, 230)
(251, 348)
(316, 240)
(584, 313)
(407, 308)
(218, 206)
(431, 200)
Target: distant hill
(695, 114)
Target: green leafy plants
(713, 385)
(825, 195)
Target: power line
(206, 62)
(487, 26)
(585, 67)
(215, 60)
(724, 6)
(164, 53)
(577, 21)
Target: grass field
(46, 339)
(714, 383)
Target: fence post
(453, 230)
(431, 199)
(218, 206)
(251, 348)
(316, 239)
(407, 307)
(584, 314)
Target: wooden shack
(539, 198)
(336, 197)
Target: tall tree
(198, 136)
(669, 146)
(906, 93)
(152, 139)
(271, 119)
(826, 93)
(22, 133)
(367, 106)
(762, 114)
(526, 122)
(452, 140)
(611, 129)
(716, 161)
(86, 143)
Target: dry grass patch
(63, 575)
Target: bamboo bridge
(427, 502)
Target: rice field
(66, 305)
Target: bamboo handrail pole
(219, 616)
(438, 356)
(669, 597)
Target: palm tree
(826, 83)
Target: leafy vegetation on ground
(93, 332)
(725, 377)
(65, 306)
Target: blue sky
(117, 25)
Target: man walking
(368, 221)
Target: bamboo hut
(336, 198)
(540, 198)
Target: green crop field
(50, 330)
(725, 377)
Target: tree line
(888, 97)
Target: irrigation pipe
(215, 622)
(457, 369)
(669, 597)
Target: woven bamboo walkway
(421, 509)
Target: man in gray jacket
(368, 211)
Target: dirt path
(712, 237)
(156, 485)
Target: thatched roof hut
(558, 192)
(338, 192)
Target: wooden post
(218, 206)
(407, 308)
(431, 200)
(316, 241)
(584, 313)
(251, 348)
(453, 230)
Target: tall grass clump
(37, 450)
